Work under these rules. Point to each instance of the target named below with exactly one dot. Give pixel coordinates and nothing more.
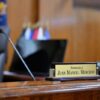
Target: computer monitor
(39, 55)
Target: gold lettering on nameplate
(76, 70)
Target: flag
(28, 33)
(35, 34)
(5, 1)
(41, 34)
(47, 34)
(3, 14)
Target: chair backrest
(3, 42)
(3, 53)
(2, 62)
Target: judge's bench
(49, 90)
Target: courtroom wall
(79, 25)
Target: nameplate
(73, 70)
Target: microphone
(5, 31)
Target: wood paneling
(54, 10)
(86, 35)
(80, 27)
(83, 35)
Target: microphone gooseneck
(21, 58)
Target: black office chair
(3, 53)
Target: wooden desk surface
(41, 89)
